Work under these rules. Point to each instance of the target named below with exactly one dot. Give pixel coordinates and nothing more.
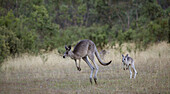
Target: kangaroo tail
(99, 59)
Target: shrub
(98, 34)
(9, 43)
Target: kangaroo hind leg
(130, 72)
(133, 66)
(91, 67)
(91, 57)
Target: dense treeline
(33, 25)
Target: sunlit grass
(30, 74)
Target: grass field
(31, 75)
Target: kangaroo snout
(63, 56)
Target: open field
(30, 75)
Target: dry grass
(29, 74)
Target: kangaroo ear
(66, 47)
(127, 55)
(122, 55)
(69, 47)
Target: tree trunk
(136, 18)
(128, 16)
(122, 23)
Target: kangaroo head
(124, 58)
(68, 50)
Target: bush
(9, 43)
(70, 36)
(98, 34)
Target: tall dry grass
(30, 74)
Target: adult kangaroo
(83, 49)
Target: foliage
(9, 43)
(35, 25)
(98, 34)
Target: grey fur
(83, 49)
(128, 62)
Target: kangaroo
(85, 49)
(129, 62)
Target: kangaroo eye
(66, 52)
